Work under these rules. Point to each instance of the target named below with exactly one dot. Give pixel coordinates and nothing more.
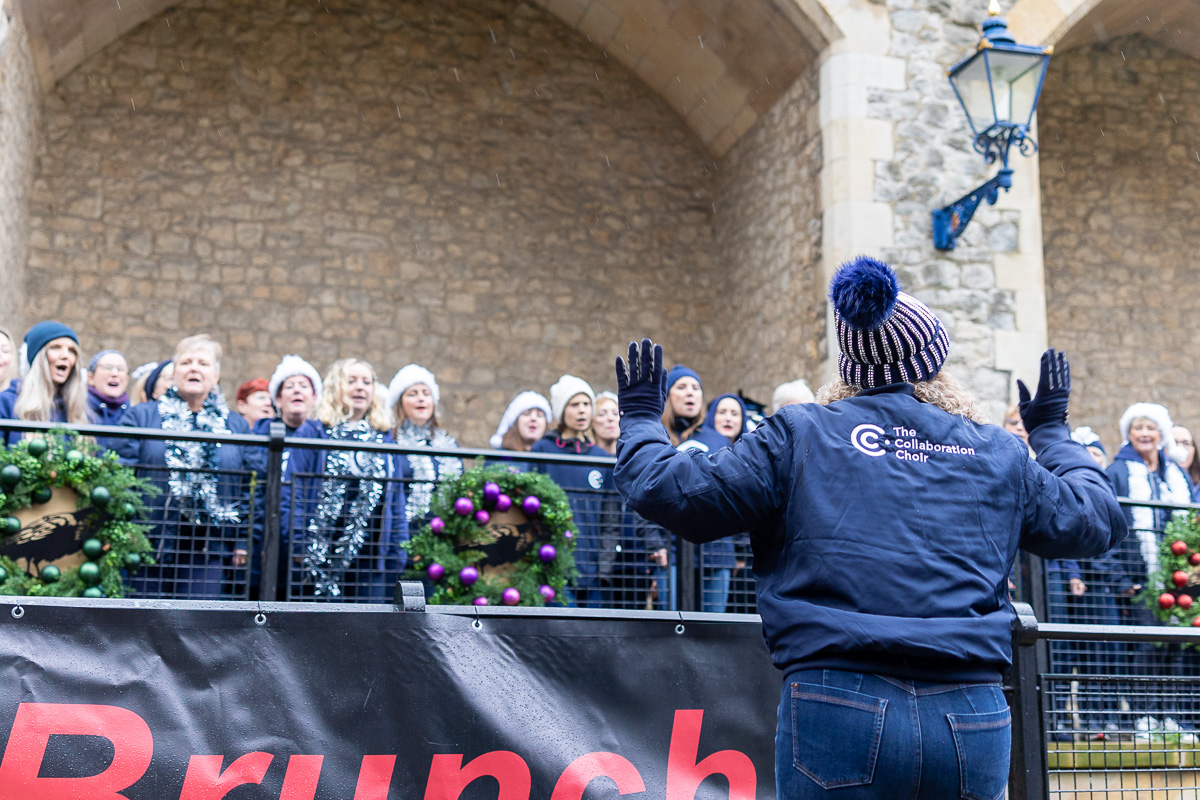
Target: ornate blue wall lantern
(998, 87)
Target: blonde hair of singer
(35, 402)
(332, 411)
(198, 342)
(941, 390)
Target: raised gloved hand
(642, 382)
(1049, 405)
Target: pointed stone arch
(1118, 184)
(1068, 24)
(720, 64)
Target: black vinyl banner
(158, 701)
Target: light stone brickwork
(19, 125)
(933, 163)
(1120, 189)
(469, 186)
(768, 226)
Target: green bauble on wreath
(497, 537)
(61, 534)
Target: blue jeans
(716, 589)
(854, 736)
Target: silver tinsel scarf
(425, 476)
(331, 552)
(192, 464)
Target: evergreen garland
(442, 555)
(112, 541)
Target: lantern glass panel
(971, 82)
(1016, 81)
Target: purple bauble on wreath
(463, 506)
(503, 503)
(490, 492)
(547, 552)
(511, 596)
(436, 571)
(437, 524)
(482, 517)
(568, 535)
(468, 575)
(530, 505)
(547, 593)
(481, 601)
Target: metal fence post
(1027, 769)
(410, 596)
(272, 498)
(688, 575)
(1035, 579)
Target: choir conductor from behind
(894, 465)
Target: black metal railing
(1080, 734)
(1105, 702)
(1113, 590)
(279, 547)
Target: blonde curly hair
(941, 390)
(333, 411)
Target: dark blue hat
(153, 377)
(96, 358)
(42, 334)
(678, 372)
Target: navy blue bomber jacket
(884, 529)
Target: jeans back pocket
(835, 734)
(983, 742)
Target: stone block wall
(768, 229)
(470, 186)
(1120, 190)
(19, 125)
(933, 164)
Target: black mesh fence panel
(197, 555)
(1121, 737)
(1113, 589)
(342, 539)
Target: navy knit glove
(1049, 405)
(642, 382)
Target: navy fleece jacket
(883, 528)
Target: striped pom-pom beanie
(885, 335)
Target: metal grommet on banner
(18, 612)
(679, 629)
(260, 618)
(477, 625)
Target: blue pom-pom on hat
(885, 335)
(864, 292)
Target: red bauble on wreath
(1172, 592)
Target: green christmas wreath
(29, 472)
(497, 536)
(1172, 591)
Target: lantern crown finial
(994, 8)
